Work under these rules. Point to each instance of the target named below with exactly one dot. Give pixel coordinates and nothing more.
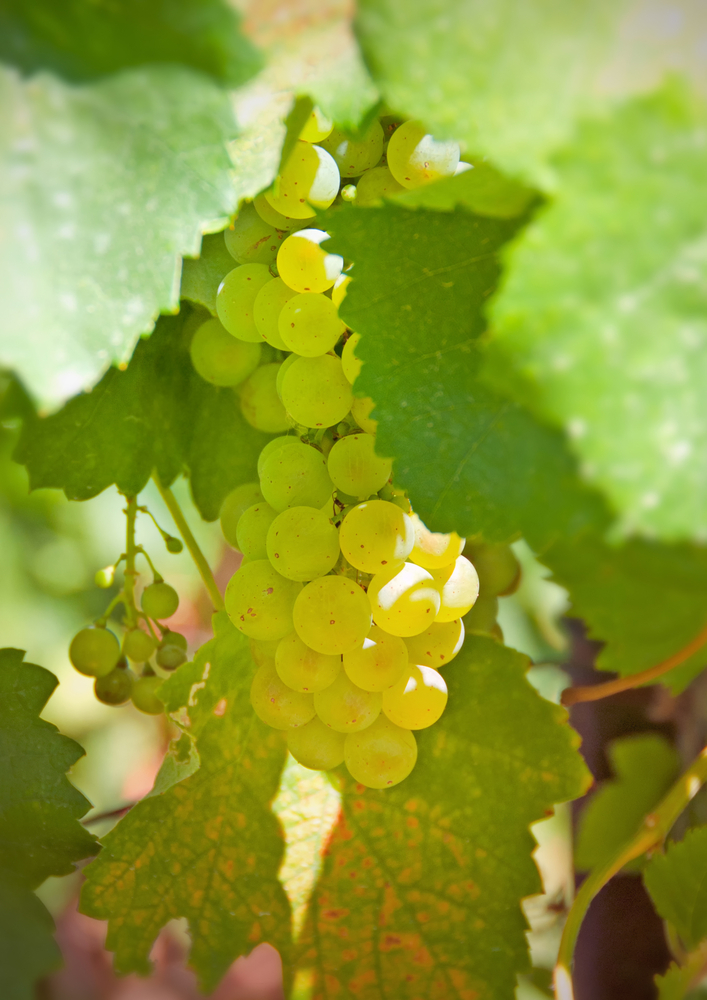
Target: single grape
(284, 368)
(260, 403)
(159, 600)
(481, 620)
(332, 615)
(458, 586)
(378, 663)
(348, 193)
(304, 669)
(144, 695)
(497, 566)
(284, 441)
(345, 707)
(173, 545)
(316, 746)
(316, 128)
(94, 651)
(404, 599)
(338, 292)
(276, 704)
(114, 688)
(437, 645)
(253, 530)
(309, 180)
(172, 651)
(432, 549)
(259, 601)
(267, 213)
(315, 392)
(235, 300)
(138, 646)
(309, 324)
(355, 468)
(220, 358)
(375, 185)
(296, 476)
(382, 755)
(266, 311)
(349, 362)
(237, 501)
(302, 543)
(416, 158)
(374, 534)
(251, 240)
(263, 650)
(417, 700)
(304, 266)
(105, 577)
(360, 410)
(353, 156)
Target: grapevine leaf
(421, 282)
(28, 950)
(483, 190)
(202, 276)
(208, 847)
(618, 354)
(675, 984)
(644, 768)
(105, 186)
(677, 883)
(420, 890)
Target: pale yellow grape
(253, 530)
(332, 615)
(304, 669)
(338, 292)
(353, 156)
(317, 127)
(277, 705)
(219, 357)
(251, 240)
(375, 185)
(375, 534)
(355, 468)
(235, 299)
(302, 543)
(238, 500)
(309, 324)
(266, 311)
(304, 266)
(284, 368)
(432, 549)
(315, 391)
(284, 441)
(309, 180)
(404, 599)
(381, 755)
(378, 663)
(277, 220)
(350, 363)
(263, 650)
(459, 588)
(360, 410)
(345, 707)
(260, 404)
(417, 700)
(316, 746)
(437, 645)
(295, 476)
(416, 158)
(259, 601)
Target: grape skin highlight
(404, 599)
(417, 700)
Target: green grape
(159, 600)
(250, 240)
(260, 404)
(144, 695)
(437, 645)
(277, 705)
(380, 756)
(263, 650)
(105, 577)
(416, 158)
(332, 615)
(432, 549)
(458, 586)
(253, 530)
(316, 746)
(375, 185)
(355, 468)
(267, 308)
(360, 410)
(275, 219)
(304, 669)
(348, 192)
(349, 362)
(482, 617)
(259, 601)
(284, 368)
(94, 651)
(302, 543)
(172, 651)
(417, 700)
(345, 707)
(354, 156)
(374, 534)
(138, 646)
(235, 299)
(220, 358)
(404, 599)
(114, 688)
(315, 391)
(304, 266)
(378, 663)
(338, 292)
(284, 441)
(309, 324)
(497, 566)
(309, 180)
(174, 639)
(237, 501)
(173, 545)
(316, 128)
(295, 477)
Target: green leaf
(483, 190)
(28, 950)
(644, 768)
(105, 186)
(677, 883)
(208, 847)
(202, 276)
(603, 313)
(675, 984)
(420, 891)
(472, 460)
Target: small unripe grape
(170, 638)
(302, 668)
(382, 755)
(375, 185)
(260, 403)
(304, 266)
(138, 646)
(458, 586)
(159, 601)
(114, 688)
(104, 577)
(144, 695)
(259, 601)
(482, 617)
(404, 599)
(417, 700)
(497, 567)
(276, 704)
(316, 746)
(432, 549)
(237, 501)
(416, 158)
(354, 156)
(345, 707)
(94, 651)
(437, 645)
(174, 545)
(378, 663)
(221, 358)
(170, 654)
(332, 615)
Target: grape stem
(191, 543)
(652, 832)
(130, 573)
